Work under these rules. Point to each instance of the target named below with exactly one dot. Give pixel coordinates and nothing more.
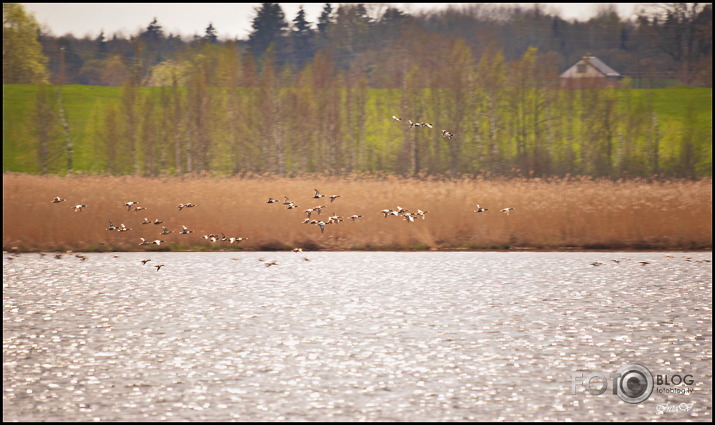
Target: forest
(299, 97)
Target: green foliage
(311, 127)
(22, 59)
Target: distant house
(590, 72)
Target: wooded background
(300, 97)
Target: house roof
(597, 64)
(602, 67)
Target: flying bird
(78, 208)
(129, 204)
(158, 266)
(57, 200)
(480, 209)
(447, 135)
(145, 261)
(506, 210)
(317, 194)
(394, 118)
(321, 224)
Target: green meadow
(679, 112)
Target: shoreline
(516, 249)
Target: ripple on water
(348, 336)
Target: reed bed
(548, 214)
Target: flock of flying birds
(406, 215)
(321, 223)
(135, 207)
(415, 124)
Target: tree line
(663, 41)
(233, 107)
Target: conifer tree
(268, 27)
(325, 18)
(301, 37)
(210, 34)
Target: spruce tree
(268, 27)
(325, 18)
(301, 37)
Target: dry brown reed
(553, 214)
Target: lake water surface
(352, 336)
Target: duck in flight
(447, 135)
(317, 194)
(78, 208)
(321, 224)
(129, 204)
(506, 210)
(480, 209)
(57, 200)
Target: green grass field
(677, 110)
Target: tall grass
(551, 214)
